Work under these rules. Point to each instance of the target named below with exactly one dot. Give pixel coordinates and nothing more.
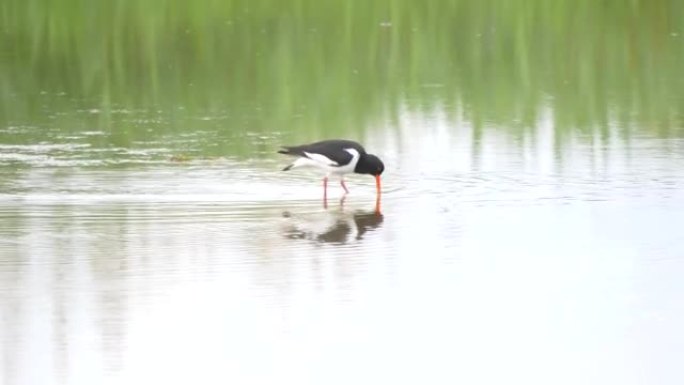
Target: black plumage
(335, 150)
(336, 157)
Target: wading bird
(336, 158)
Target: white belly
(328, 165)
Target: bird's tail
(287, 151)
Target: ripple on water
(183, 207)
(506, 188)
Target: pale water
(531, 221)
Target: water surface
(532, 204)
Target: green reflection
(302, 69)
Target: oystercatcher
(336, 157)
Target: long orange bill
(377, 199)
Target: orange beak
(377, 199)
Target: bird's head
(370, 164)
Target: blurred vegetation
(310, 68)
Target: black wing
(335, 150)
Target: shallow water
(501, 255)
(531, 215)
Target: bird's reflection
(344, 198)
(336, 228)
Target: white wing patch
(354, 153)
(349, 167)
(322, 159)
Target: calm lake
(532, 222)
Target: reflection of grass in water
(306, 68)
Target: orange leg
(325, 192)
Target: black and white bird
(336, 158)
